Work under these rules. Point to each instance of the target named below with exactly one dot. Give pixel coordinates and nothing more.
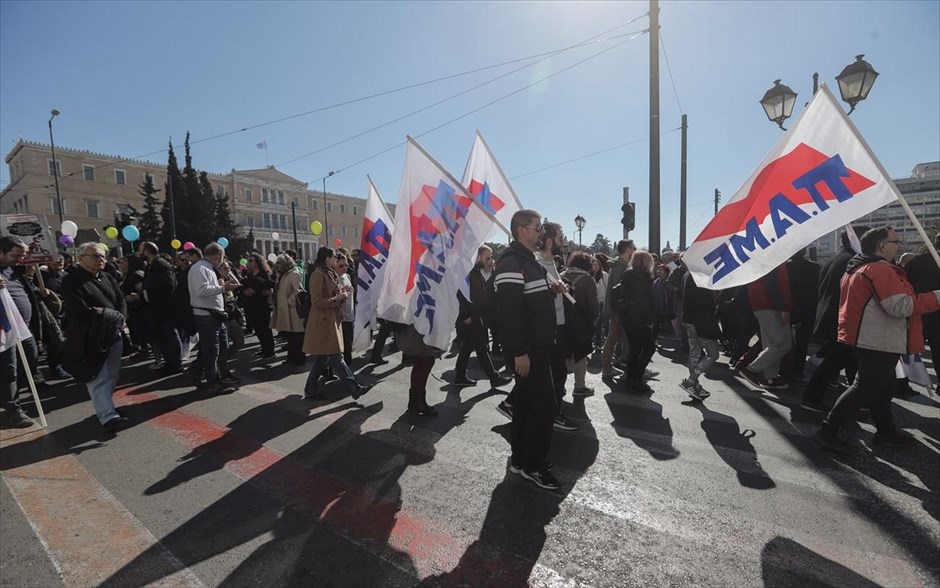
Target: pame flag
(820, 176)
(488, 185)
(13, 328)
(438, 229)
(377, 229)
(911, 366)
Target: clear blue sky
(129, 75)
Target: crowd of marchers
(537, 314)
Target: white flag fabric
(911, 366)
(820, 176)
(13, 328)
(437, 234)
(488, 185)
(377, 229)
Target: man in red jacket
(879, 316)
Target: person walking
(770, 299)
(637, 319)
(95, 307)
(158, 287)
(323, 338)
(701, 325)
(581, 317)
(285, 318)
(625, 250)
(257, 290)
(879, 316)
(206, 291)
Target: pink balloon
(188, 245)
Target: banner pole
(32, 385)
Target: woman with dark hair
(324, 335)
(663, 300)
(256, 300)
(599, 271)
(580, 318)
(285, 318)
(637, 319)
(349, 311)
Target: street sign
(33, 229)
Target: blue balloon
(222, 241)
(131, 233)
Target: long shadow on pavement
(785, 563)
(726, 436)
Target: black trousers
(560, 355)
(259, 320)
(385, 330)
(474, 340)
(642, 346)
(347, 342)
(836, 357)
(533, 416)
(873, 387)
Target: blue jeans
(213, 346)
(101, 387)
(339, 367)
(166, 338)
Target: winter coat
(159, 286)
(804, 286)
(95, 308)
(878, 309)
(525, 303)
(771, 292)
(324, 334)
(924, 275)
(285, 318)
(827, 309)
(640, 304)
(698, 309)
(617, 269)
(580, 318)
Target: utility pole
(682, 183)
(293, 220)
(717, 200)
(654, 127)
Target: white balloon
(69, 228)
(272, 257)
(275, 236)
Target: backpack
(302, 304)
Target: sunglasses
(537, 228)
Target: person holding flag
(879, 316)
(14, 329)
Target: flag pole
(32, 385)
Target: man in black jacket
(95, 308)
(159, 284)
(527, 316)
(836, 356)
(12, 250)
(924, 275)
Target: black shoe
(894, 437)
(58, 373)
(815, 406)
(505, 409)
(752, 377)
(116, 424)
(544, 479)
(829, 438)
(422, 409)
(19, 419)
(562, 423)
(361, 390)
(220, 389)
(464, 382)
(314, 396)
(500, 381)
(378, 360)
(266, 355)
(229, 380)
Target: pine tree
(149, 222)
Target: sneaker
(116, 424)
(19, 419)
(650, 374)
(361, 390)
(895, 437)
(157, 365)
(583, 391)
(500, 381)
(687, 385)
(773, 384)
(699, 393)
(542, 479)
(230, 380)
(220, 389)
(611, 372)
(59, 374)
(752, 377)
(378, 361)
(505, 409)
(828, 438)
(562, 423)
(464, 382)
(815, 406)
(514, 469)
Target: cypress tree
(176, 189)
(150, 221)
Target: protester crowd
(537, 314)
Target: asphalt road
(263, 488)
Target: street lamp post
(579, 222)
(55, 166)
(855, 82)
(326, 224)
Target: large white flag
(377, 229)
(12, 326)
(437, 233)
(488, 185)
(820, 176)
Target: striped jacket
(525, 303)
(878, 307)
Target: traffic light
(629, 215)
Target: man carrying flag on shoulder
(879, 315)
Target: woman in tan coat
(285, 318)
(324, 337)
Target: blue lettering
(830, 172)
(726, 262)
(371, 266)
(751, 239)
(780, 204)
(426, 303)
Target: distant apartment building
(921, 191)
(94, 187)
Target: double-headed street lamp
(55, 166)
(855, 83)
(579, 222)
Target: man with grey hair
(95, 307)
(12, 249)
(205, 297)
